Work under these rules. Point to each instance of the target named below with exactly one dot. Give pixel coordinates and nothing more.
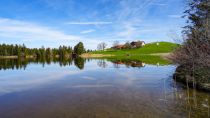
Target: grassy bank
(16, 57)
(8, 57)
(151, 53)
(151, 48)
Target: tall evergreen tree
(79, 48)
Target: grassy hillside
(151, 48)
(144, 54)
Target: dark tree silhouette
(79, 62)
(79, 48)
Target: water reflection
(128, 63)
(102, 63)
(195, 103)
(22, 63)
(98, 90)
(78, 62)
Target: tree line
(23, 51)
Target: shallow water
(97, 89)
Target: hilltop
(150, 53)
(150, 48)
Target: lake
(95, 88)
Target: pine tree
(79, 48)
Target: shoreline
(188, 80)
(89, 55)
(8, 57)
(27, 57)
(16, 57)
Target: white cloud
(26, 32)
(10, 28)
(21, 31)
(87, 31)
(129, 17)
(89, 23)
(132, 30)
(133, 9)
(128, 31)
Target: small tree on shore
(101, 46)
(79, 48)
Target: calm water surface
(96, 89)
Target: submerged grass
(143, 58)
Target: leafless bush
(101, 46)
(195, 50)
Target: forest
(23, 51)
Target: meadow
(151, 53)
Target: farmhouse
(137, 44)
(134, 44)
(119, 47)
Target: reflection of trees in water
(116, 65)
(128, 64)
(79, 62)
(13, 64)
(21, 63)
(102, 63)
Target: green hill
(150, 48)
(151, 53)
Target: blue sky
(66, 22)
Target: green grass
(151, 48)
(141, 54)
(144, 58)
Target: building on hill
(119, 47)
(136, 44)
